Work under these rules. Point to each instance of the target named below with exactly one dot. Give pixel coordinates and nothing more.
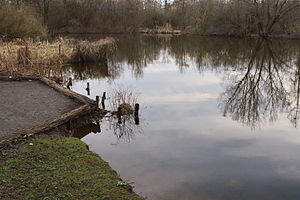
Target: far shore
(178, 33)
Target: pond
(218, 119)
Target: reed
(87, 51)
(22, 57)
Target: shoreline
(254, 36)
(43, 166)
(47, 161)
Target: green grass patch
(59, 168)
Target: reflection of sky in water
(188, 150)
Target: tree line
(206, 17)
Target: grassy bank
(46, 167)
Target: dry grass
(30, 58)
(21, 57)
(123, 97)
(87, 51)
(166, 29)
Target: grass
(54, 168)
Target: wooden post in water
(88, 88)
(119, 115)
(136, 114)
(97, 101)
(69, 83)
(103, 100)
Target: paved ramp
(30, 103)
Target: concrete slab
(26, 104)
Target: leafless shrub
(124, 99)
(20, 21)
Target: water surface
(218, 117)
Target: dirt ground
(26, 104)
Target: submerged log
(83, 99)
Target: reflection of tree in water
(100, 70)
(294, 104)
(134, 51)
(137, 52)
(125, 128)
(261, 90)
(265, 73)
(209, 53)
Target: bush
(19, 22)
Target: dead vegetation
(123, 100)
(22, 57)
(93, 51)
(124, 120)
(165, 29)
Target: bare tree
(260, 92)
(268, 13)
(42, 6)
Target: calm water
(218, 117)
